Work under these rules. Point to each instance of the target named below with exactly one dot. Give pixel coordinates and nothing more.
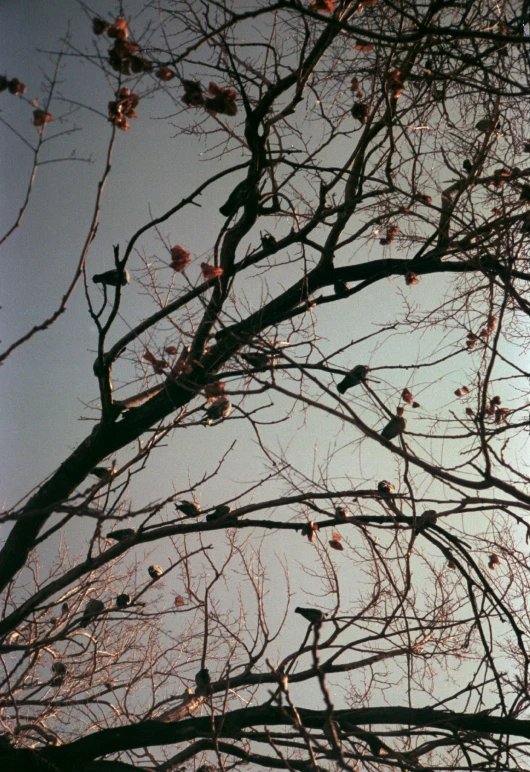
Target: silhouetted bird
(64, 608)
(92, 608)
(59, 668)
(467, 165)
(487, 124)
(235, 200)
(220, 511)
(386, 487)
(207, 768)
(267, 241)
(155, 572)
(257, 359)
(189, 508)
(361, 111)
(394, 427)
(313, 615)
(103, 472)
(354, 378)
(341, 288)
(123, 600)
(218, 410)
(112, 278)
(429, 517)
(202, 679)
(120, 534)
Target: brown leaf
(179, 601)
(210, 271)
(41, 118)
(214, 390)
(407, 397)
(336, 545)
(164, 74)
(180, 259)
(309, 530)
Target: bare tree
(333, 573)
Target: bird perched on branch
(386, 487)
(395, 426)
(341, 288)
(155, 572)
(123, 600)
(189, 508)
(218, 410)
(59, 672)
(354, 378)
(259, 360)
(220, 511)
(487, 124)
(267, 241)
(59, 668)
(92, 608)
(202, 679)
(313, 615)
(103, 472)
(120, 534)
(236, 199)
(430, 517)
(112, 278)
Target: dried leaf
(119, 30)
(336, 545)
(407, 397)
(41, 118)
(214, 390)
(180, 259)
(309, 530)
(411, 278)
(164, 74)
(210, 271)
(324, 6)
(179, 601)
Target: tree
(359, 313)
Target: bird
(218, 410)
(235, 200)
(120, 534)
(361, 111)
(257, 359)
(202, 679)
(59, 668)
(155, 572)
(394, 427)
(92, 608)
(112, 278)
(220, 511)
(123, 600)
(64, 608)
(189, 508)
(313, 615)
(267, 241)
(467, 165)
(341, 288)
(354, 378)
(429, 517)
(487, 124)
(341, 513)
(103, 472)
(386, 487)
